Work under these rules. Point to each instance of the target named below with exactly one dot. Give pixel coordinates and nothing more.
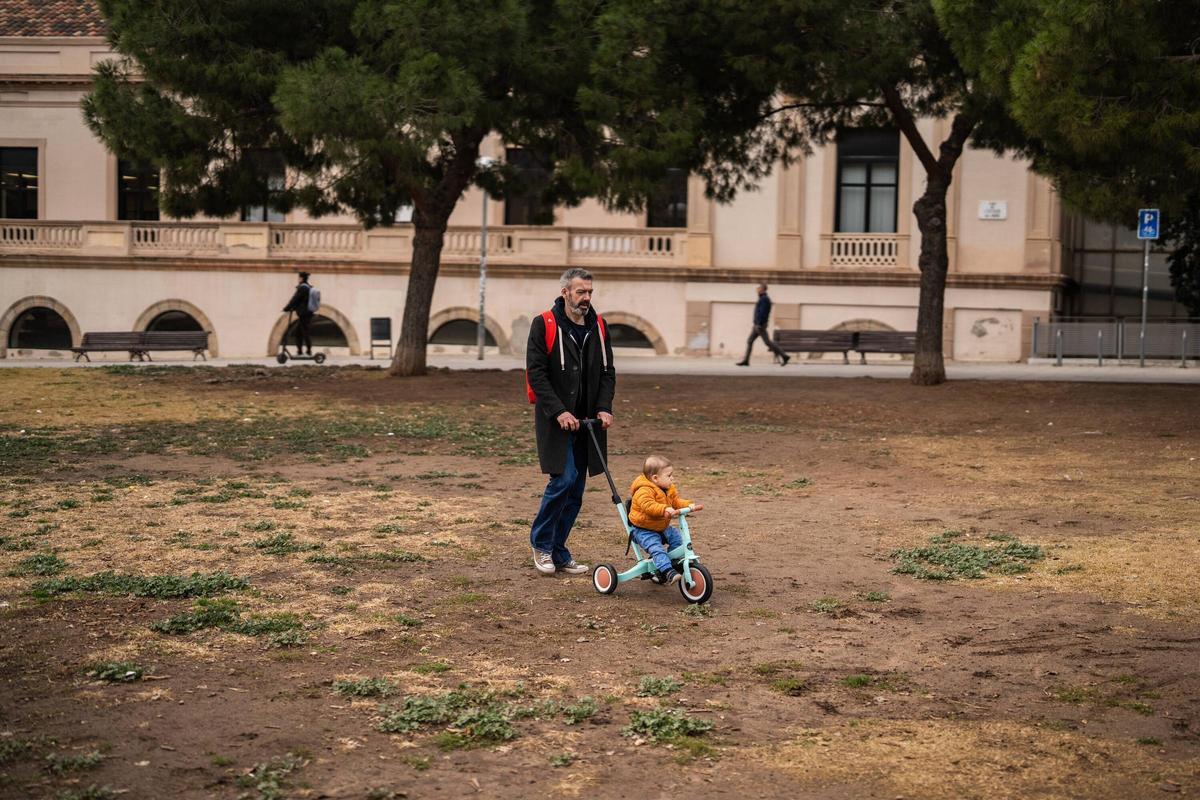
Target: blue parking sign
(1147, 223)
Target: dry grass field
(316, 583)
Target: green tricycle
(696, 585)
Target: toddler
(655, 503)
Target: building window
(868, 163)
(137, 191)
(18, 183)
(272, 176)
(627, 336)
(667, 206)
(526, 205)
(461, 331)
(174, 321)
(39, 328)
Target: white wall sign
(993, 209)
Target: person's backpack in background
(314, 299)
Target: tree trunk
(929, 367)
(428, 236)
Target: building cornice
(803, 277)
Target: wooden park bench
(139, 344)
(902, 342)
(798, 341)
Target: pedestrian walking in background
(762, 313)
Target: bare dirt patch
(380, 528)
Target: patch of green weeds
(221, 761)
(582, 709)
(431, 667)
(1068, 569)
(658, 687)
(268, 780)
(60, 764)
(39, 564)
(1149, 740)
(15, 749)
(286, 505)
(1139, 707)
(858, 681)
(406, 621)
(293, 637)
(564, 759)
(365, 687)
(282, 544)
(826, 605)
(225, 614)
(390, 527)
(945, 558)
(262, 526)
(792, 687)
(116, 671)
(799, 483)
(474, 716)
(92, 792)
(419, 763)
(875, 597)
(662, 725)
(198, 584)
(341, 591)
(698, 610)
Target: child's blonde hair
(654, 465)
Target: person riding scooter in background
(302, 303)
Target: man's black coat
(557, 378)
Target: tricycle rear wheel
(604, 578)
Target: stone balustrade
(871, 250)
(533, 245)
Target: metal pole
(1058, 347)
(1183, 350)
(1100, 348)
(1145, 300)
(1035, 353)
(481, 332)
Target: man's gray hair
(572, 274)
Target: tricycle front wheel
(604, 578)
(702, 585)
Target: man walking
(304, 314)
(762, 312)
(571, 376)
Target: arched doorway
(461, 332)
(454, 330)
(323, 331)
(178, 315)
(623, 335)
(331, 333)
(174, 321)
(39, 328)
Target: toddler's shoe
(574, 568)
(671, 577)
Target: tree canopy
(368, 105)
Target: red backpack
(551, 333)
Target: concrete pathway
(1040, 370)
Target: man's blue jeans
(651, 542)
(560, 506)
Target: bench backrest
(115, 339)
(887, 341)
(816, 340)
(175, 340)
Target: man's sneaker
(742, 364)
(574, 568)
(671, 577)
(543, 562)
(786, 358)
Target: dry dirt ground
(316, 584)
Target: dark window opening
(272, 175)
(667, 206)
(137, 191)
(18, 183)
(39, 328)
(324, 332)
(627, 336)
(868, 167)
(461, 331)
(526, 205)
(174, 321)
